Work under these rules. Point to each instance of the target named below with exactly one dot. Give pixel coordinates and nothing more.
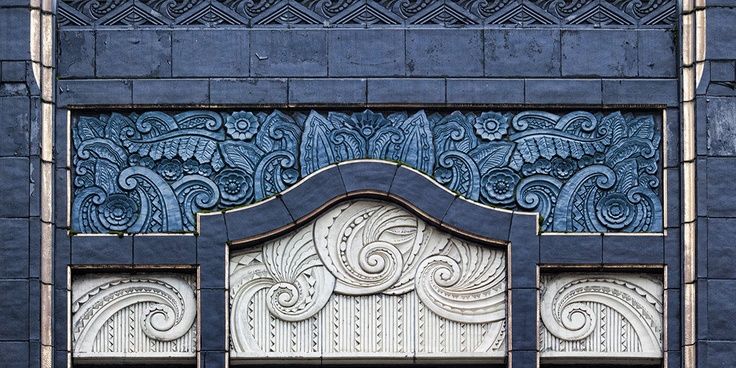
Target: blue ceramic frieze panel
(153, 171)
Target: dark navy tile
(248, 91)
(523, 359)
(60, 318)
(720, 308)
(524, 251)
(721, 201)
(720, 29)
(648, 249)
(672, 204)
(170, 91)
(721, 247)
(212, 319)
(657, 53)
(14, 185)
(673, 319)
(61, 209)
(327, 91)
(165, 249)
(258, 220)
(601, 53)
(133, 53)
(62, 257)
(368, 176)
(702, 224)
(104, 249)
(76, 56)
(14, 248)
(288, 53)
(366, 53)
(16, 30)
(485, 91)
(13, 71)
(674, 359)
(563, 91)
(720, 354)
(412, 188)
(721, 128)
(213, 359)
(636, 91)
(14, 125)
(14, 354)
(570, 249)
(672, 131)
(225, 52)
(444, 52)
(672, 258)
(95, 92)
(313, 193)
(722, 71)
(702, 310)
(524, 323)
(211, 249)
(395, 91)
(522, 52)
(14, 309)
(702, 199)
(476, 220)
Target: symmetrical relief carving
(140, 315)
(368, 277)
(601, 315)
(319, 13)
(151, 172)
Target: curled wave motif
(582, 171)
(298, 285)
(364, 256)
(568, 313)
(170, 315)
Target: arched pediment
(368, 278)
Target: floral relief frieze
(153, 171)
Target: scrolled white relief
(138, 315)
(368, 278)
(601, 315)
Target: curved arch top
(585, 172)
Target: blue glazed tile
(62, 257)
(212, 319)
(672, 258)
(524, 251)
(16, 31)
(524, 310)
(478, 221)
(722, 71)
(13, 71)
(170, 91)
(599, 53)
(288, 53)
(14, 308)
(435, 53)
(366, 53)
(14, 354)
(719, 354)
(629, 249)
(635, 91)
(719, 28)
(60, 318)
(133, 53)
(368, 176)
(226, 52)
(105, 249)
(15, 195)
(485, 91)
(721, 126)
(571, 249)
(657, 53)
(95, 92)
(14, 248)
(522, 52)
(524, 359)
(258, 220)
(172, 249)
(721, 201)
(14, 126)
(211, 249)
(563, 91)
(674, 303)
(720, 309)
(76, 57)
(411, 187)
(248, 91)
(395, 91)
(721, 247)
(327, 91)
(313, 193)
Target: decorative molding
(138, 316)
(601, 316)
(151, 172)
(361, 13)
(368, 277)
